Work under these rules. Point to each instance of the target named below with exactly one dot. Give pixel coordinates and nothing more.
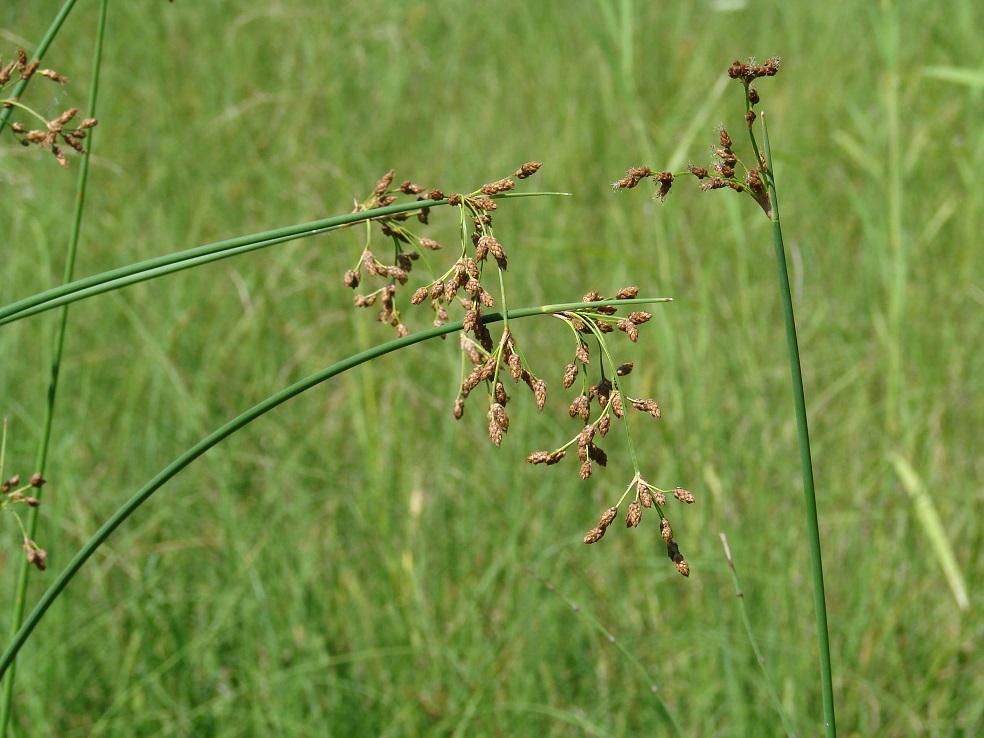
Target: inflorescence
(490, 362)
(54, 131)
(723, 171)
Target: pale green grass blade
(932, 526)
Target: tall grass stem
(17, 614)
(806, 462)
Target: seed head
(570, 374)
(684, 496)
(634, 515)
(528, 169)
(627, 293)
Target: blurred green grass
(356, 562)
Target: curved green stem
(809, 493)
(159, 266)
(219, 435)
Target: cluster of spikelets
(464, 275)
(723, 170)
(55, 131)
(493, 362)
(647, 497)
(12, 493)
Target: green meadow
(359, 563)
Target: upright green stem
(810, 497)
(17, 614)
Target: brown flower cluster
(723, 171)
(11, 493)
(607, 395)
(463, 276)
(648, 497)
(55, 131)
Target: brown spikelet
(665, 531)
(659, 497)
(384, 183)
(528, 169)
(639, 317)
(539, 457)
(581, 352)
(594, 535)
(624, 369)
(627, 293)
(421, 294)
(684, 496)
(630, 329)
(616, 403)
(634, 516)
(539, 393)
(603, 425)
(570, 374)
(646, 498)
(585, 471)
(607, 517)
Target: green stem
(170, 263)
(160, 266)
(130, 506)
(809, 493)
(17, 614)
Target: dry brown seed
(639, 317)
(528, 169)
(515, 366)
(616, 402)
(592, 296)
(495, 187)
(634, 516)
(430, 243)
(539, 394)
(603, 425)
(624, 369)
(500, 394)
(607, 517)
(630, 329)
(682, 566)
(659, 497)
(37, 480)
(495, 432)
(402, 331)
(539, 457)
(594, 535)
(570, 374)
(645, 498)
(627, 293)
(684, 496)
(421, 294)
(484, 203)
(383, 184)
(665, 530)
(581, 352)
(459, 408)
(585, 471)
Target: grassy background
(356, 562)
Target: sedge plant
(755, 178)
(460, 291)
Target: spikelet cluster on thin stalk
(63, 130)
(492, 363)
(13, 492)
(725, 170)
